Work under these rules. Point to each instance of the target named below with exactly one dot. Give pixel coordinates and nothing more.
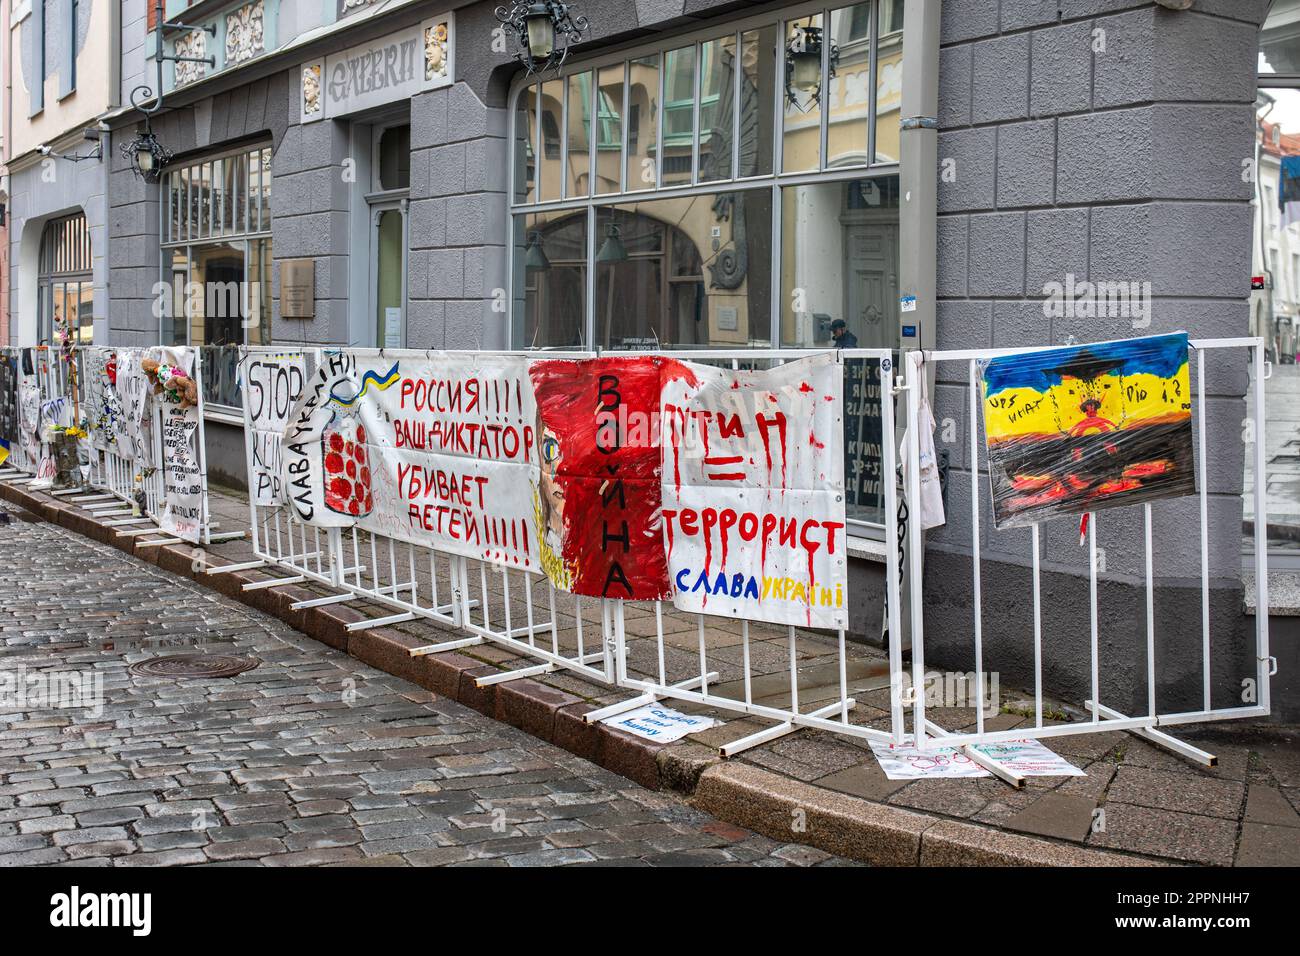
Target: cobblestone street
(310, 758)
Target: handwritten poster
(272, 386)
(101, 407)
(753, 492)
(599, 476)
(1029, 758)
(8, 405)
(182, 476)
(133, 431)
(1088, 427)
(435, 450)
(863, 429)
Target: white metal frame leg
(1159, 738)
(780, 730)
(980, 758)
(641, 700)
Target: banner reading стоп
(272, 384)
(434, 450)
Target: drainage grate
(193, 665)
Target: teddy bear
(180, 387)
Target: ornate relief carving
(435, 51)
(192, 44)
(311, 89)
(245, 33)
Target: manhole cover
(193, 665)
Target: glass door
(388, 273)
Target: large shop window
(65, 290)
(217, 259)
(757, 207)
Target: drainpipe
(918, 206)
(918, 170)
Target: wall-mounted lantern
(146, 155)
(803, 66)
(543, 30)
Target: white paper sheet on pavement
(659, 723)
(1027, 757)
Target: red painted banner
(599, 517)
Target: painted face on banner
(598, 489)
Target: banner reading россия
(435, 450)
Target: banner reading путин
(753, 492)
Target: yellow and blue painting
(1088, 427)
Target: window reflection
(849, 102)
(717, 107)
(643, 124)
(679, 116)
(664, 278)
(609, 130)
(839, 261)
(550, 280)
(801, 148)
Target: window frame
(775, 180)
(65, 258)
(523, 129)
(203, 226)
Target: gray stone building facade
(59, 82)
(1093, 140)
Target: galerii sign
(386, 70)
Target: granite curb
(769, 803)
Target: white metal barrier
(596, 638)
(114, 482)
(523, 612)
(928, 732)
(19, 463)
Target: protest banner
(133, 430)
(753, 492)
(1088, 427)
(8, 405)
(599, 481)
(272, 385)
(101, 408)
(182, 475)
(436, 450)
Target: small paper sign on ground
(1026, 757)
(663, 724)
(1030, 758)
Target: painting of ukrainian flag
(1088, 427)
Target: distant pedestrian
(844, 339)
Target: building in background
(6, 79)
(65, 59)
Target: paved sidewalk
(311, 758)
(1137, 804)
